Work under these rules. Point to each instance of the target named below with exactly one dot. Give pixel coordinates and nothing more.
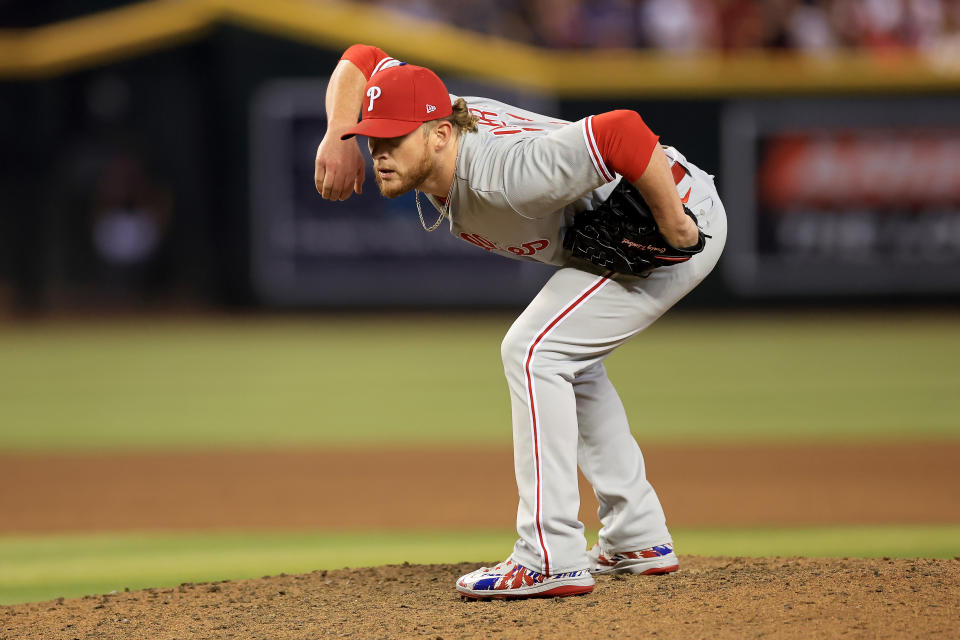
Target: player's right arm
(339, 167)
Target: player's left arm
(543, 174)
(630, 148)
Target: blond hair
(461, 118)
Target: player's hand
(339, 169)
(681, 235)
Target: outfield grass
(409, 380)
(45, 567)
(432, 380)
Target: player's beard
(409, 180)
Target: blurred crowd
(696, 25)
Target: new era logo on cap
(400, 99)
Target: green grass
(433, 380)
(45, 567)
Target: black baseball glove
(622, 235)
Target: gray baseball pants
(566, 411)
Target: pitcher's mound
(708, 598)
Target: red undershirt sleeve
(366, 57)
(624, 141)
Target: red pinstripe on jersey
(591, 141)
(532, 400)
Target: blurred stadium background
(169, 279)
(159, 154)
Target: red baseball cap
(398, 100)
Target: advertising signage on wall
(367, 250)
(842, 197)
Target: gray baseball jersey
(522, 177)
(519, 181)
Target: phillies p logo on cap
(399, 100)
(373, 93)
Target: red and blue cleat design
(511, 580)
(655, 560)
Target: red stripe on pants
(533, 406)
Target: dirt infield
(700, 486)
(709, 598)
(343, 490)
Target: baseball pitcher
(632, 227)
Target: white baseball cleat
(511, 580)
(654, 560)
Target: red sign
(879, 169)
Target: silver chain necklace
(445, 209)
